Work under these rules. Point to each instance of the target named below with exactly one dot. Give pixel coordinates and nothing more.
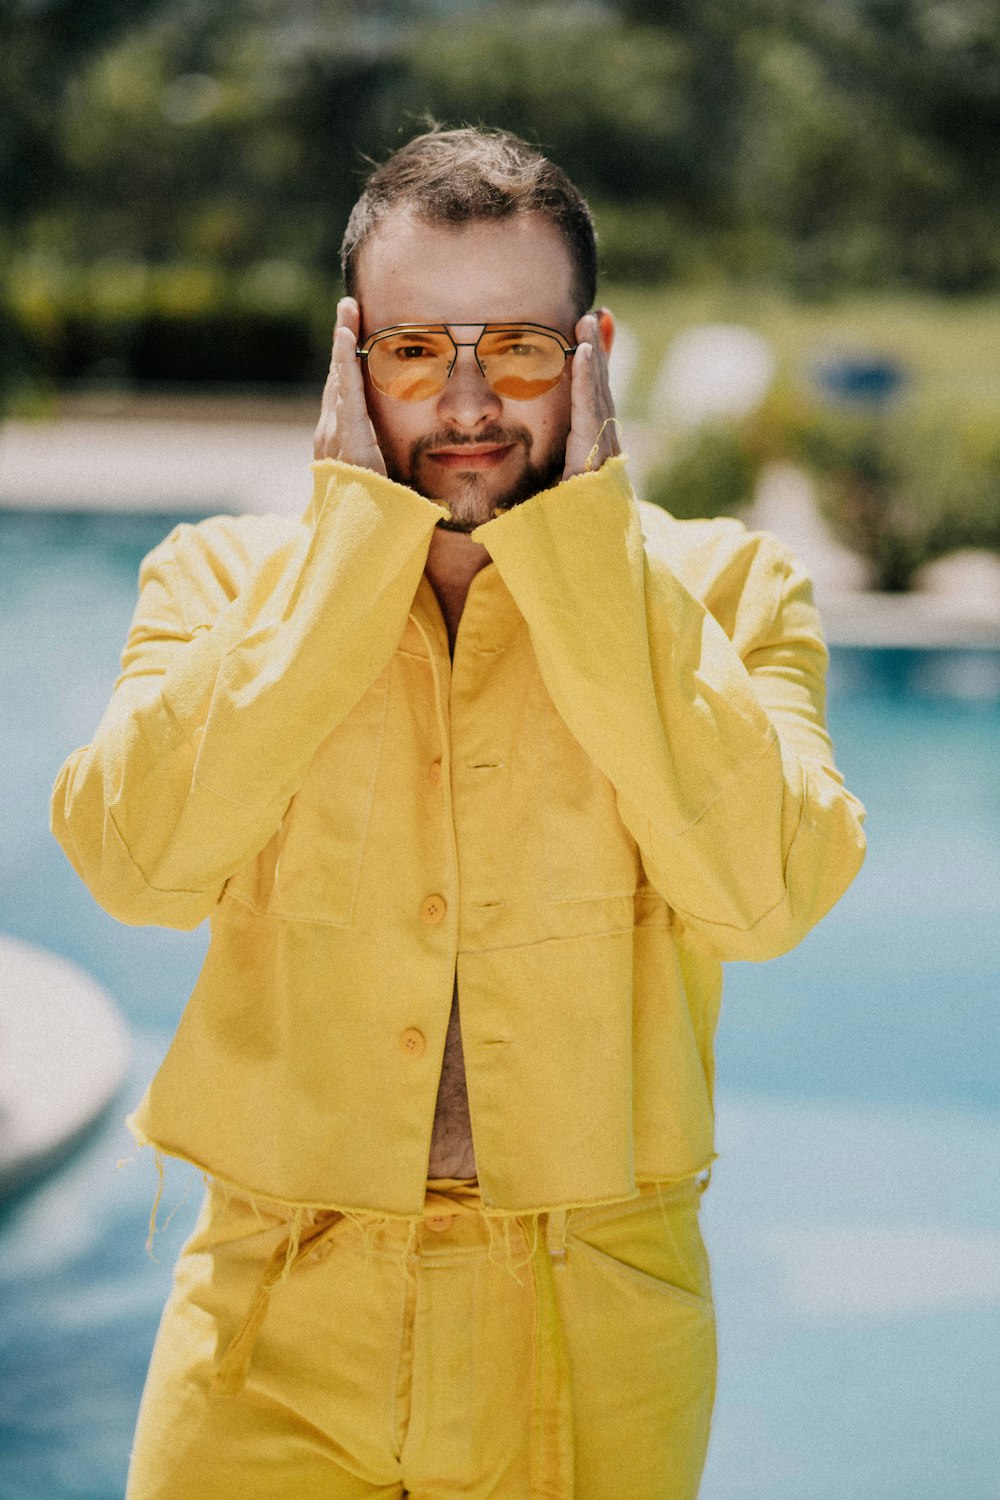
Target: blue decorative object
(865, 380)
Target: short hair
(473, 174)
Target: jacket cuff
(389, 495)
(601, 499)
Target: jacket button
(412, 1041)
(432, 909)
(438, 1222)
(435, 773)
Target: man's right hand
(345, 429)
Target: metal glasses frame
(484, 328)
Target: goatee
(475, 505)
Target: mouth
(471, 456)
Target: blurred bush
(712, 471)
(706, 134)
(125, 324)
(900, 487)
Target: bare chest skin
(451, 1153)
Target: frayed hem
(286, 1206)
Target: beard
(476, 503)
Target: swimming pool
(859, 1109)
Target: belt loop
(555, 1233)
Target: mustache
(494, 433)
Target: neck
(452, 562)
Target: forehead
(497, 270)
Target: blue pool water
(855, 1216)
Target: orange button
(439, 1222)
(435, 773)
(412, 1041)
(432, 909)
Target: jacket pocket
(311, 868)
(588, 853)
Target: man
(479, 771)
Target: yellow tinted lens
(521, 363)
(410, 366)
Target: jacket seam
(157, 890)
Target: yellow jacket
(622, 778)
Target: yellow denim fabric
(621, 780)
(567, 1359)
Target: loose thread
(588, 467)
(663, 1209)
(157, 1200)
(409, 1252)
(507, 1259)
(178, 1205)
(367, 1226)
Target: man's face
(467, 446)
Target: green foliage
(125, 324)
(817, 144)
(900, 487)
(711, 471)
(808, 144)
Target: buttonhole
(487, 905)
(486, 765)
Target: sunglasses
(412, 361)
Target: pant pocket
(638, 1323)
(653, 1243)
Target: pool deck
(854, 1228)
(855, 1266)
(174, 453)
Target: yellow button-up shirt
(621, 779)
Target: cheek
(551, 425)
(394, 421)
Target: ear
(605, 328)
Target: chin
(473, 500)
(473, 503)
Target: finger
(593, 435)
(584, 424)
(349, 315)
(583, 404)
(347, 371)
(356, 439)
(604, 403)
(601, 374)
(587, 329)
(325, 438)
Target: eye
(409, 352)
(517, 344)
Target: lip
(471, 457)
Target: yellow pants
(563, 1356)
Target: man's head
(457, 177)
(463, 228)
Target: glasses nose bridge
(472, 344)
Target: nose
(468, 400)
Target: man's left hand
(593, 433)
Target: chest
(453, 774)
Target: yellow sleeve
(229, 685)
(719, 756)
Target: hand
(593, 432)
(345, 429)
